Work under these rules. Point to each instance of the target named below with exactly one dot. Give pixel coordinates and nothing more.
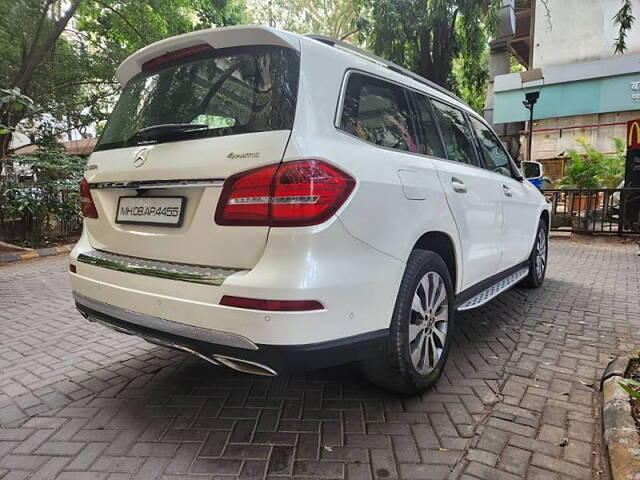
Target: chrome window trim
(168, 326)
(155, 268)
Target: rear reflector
(271, 305)
(177, 55)
(87, 206)
(291, 194)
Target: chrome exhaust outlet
(153, 340)
(245, 366)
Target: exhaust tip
(245, 366)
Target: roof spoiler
(236, 36)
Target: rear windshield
(231, 91)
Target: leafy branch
(624, 19)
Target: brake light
(86, 201)
(291, 194)
(271, 305)
(177, 55)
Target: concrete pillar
(500, 64)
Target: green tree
(47, 203)
(594, 169)
(470, 79)
(33, 51)
(427, 36)
(613, 166)
(116, 28)
(339, 19)
(67, 67)
(624, 20)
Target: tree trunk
(37, 52)
(5, 143)
(436, 53)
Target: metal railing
(608, 210)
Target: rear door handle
(507, 191)
(458, 185)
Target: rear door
(224, 111)
(473, 195)
(520, 201)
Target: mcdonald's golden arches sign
(633, 135)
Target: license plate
(166, 211)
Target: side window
(377, 112)
(430, 143)
(495, 157)
(456, 134)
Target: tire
(395, 368)
(538, 258)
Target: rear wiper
(157, 132)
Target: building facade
(587, 91)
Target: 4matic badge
(240, 156)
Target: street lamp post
(531, 98)
(532, 81)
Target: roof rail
(386, 63)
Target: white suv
(274, 202)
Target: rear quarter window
(378, 112)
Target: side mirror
(531, 170)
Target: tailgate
(185, 123)
(203, 165)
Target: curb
(41, 252)
(618, 427)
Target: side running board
(494, 290)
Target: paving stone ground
(518, 398)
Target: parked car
(274, 202)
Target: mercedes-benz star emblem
(140, 157)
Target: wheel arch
(544, 216)
(442, 244)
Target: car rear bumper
(355, 284)
(230, 350)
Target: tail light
(291, 194)
(271, 305)
(86, 201)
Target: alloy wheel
(541, 253)
(428, 323)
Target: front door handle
(507, 191)
(458, 185)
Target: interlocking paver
(517, 398)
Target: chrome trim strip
(153, 340)
(158, 184)
(494, 290)
(155, 268)
(160, 324)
